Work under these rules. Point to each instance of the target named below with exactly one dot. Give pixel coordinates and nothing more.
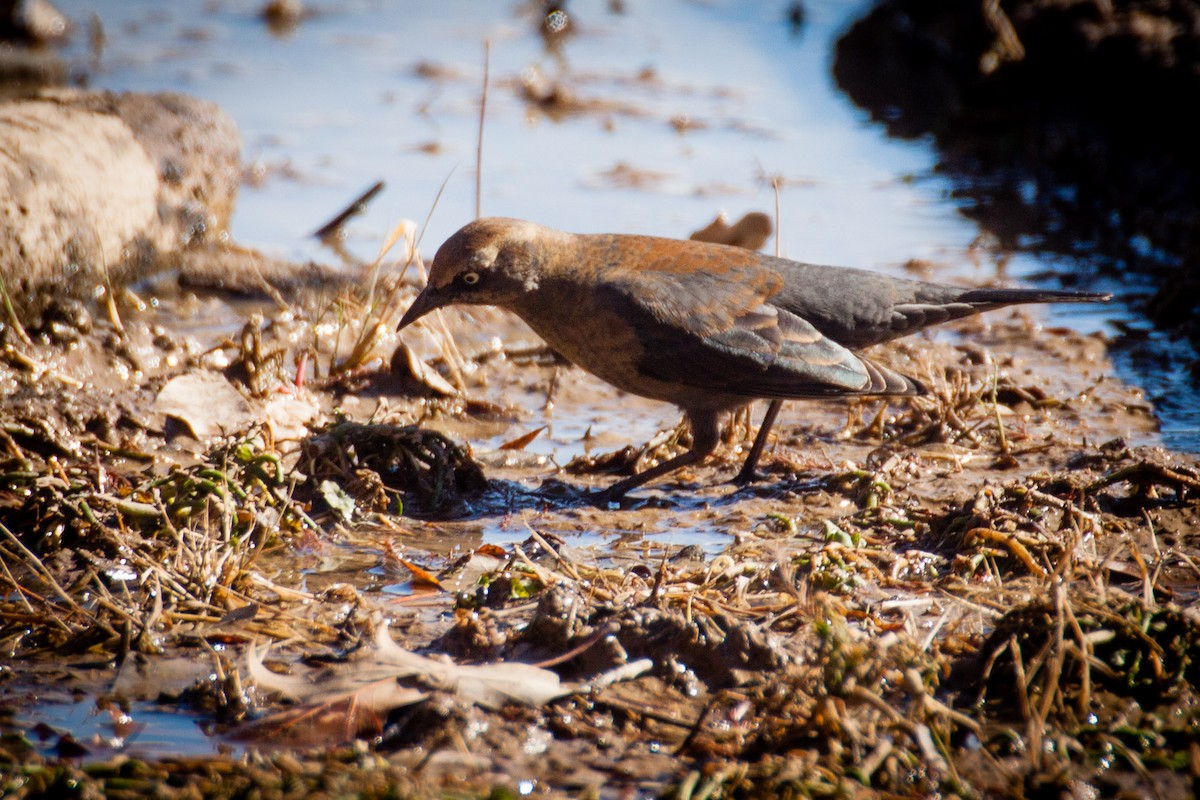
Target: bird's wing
(721, 332)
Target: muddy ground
(988, 592)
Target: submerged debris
(354, 701)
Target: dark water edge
(1068, 132)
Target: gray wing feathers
(768, 352)
(890, 382)
(747, 332)
(857, 308)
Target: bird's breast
(597, 338)
(593, 338)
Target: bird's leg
(760, 441)
(706, 433)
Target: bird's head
(492, 261)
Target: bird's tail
(1008, 297)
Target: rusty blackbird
(707, 327)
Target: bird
(707, 327)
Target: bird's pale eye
(470, 278)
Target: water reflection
(1073, 152)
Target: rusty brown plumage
(704, 326)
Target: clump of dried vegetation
(95, 558)
(377, 464)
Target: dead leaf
(289, 415)
(246, 613)
(337, 720)
(338, 716)
(407, 367)
(523, 440)
(420, 575)
(354, 699)
(206, 403)
(750, 232)
(293, 687)
(465, 574)
(488, 685)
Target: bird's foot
(559, 491)
(607, 498)
(745, 476)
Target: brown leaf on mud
(522, 441)
(310, 726)
(206, 402)
(406, 367)
(488, 685)
(750, 232)
(293, 687)
(289, 415)
(331, 709)
(353, 700)
(420, 575)
(470, 572)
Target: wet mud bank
(1068, 128)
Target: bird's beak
(426, 301)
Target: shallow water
(145, 730)
(697, 105)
